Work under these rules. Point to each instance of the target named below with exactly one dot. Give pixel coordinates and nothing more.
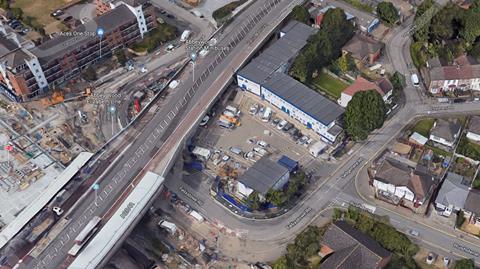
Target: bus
(83, 237)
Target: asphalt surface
(214, 71)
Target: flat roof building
(266, 76)
(264, 175)
(27, 72)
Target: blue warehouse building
(266, 77)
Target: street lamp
(193, 57)
(112, 110)
(95, 187)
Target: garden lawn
(423, 127)
(39, 9)
(328, 85)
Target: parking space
(254, 136)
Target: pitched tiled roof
(351, 248)
(472, 204)
(474, 125)
(399, 174)
(362, 84)
(446, 129)
(455, 72)
(360, 46)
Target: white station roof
(101, 244)
(36, 205)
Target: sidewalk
(366, 192)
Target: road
(161, 133)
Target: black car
(458, 100)
(287, 127)
(293, 131)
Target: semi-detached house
(266, 77)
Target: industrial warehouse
(265, 76)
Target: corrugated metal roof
(263, 175)
(304, 98)
(268, 70)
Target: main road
(170, 123)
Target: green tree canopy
(364, 113)
(325, 46)
(464, 264)
(300, 13)
(387, 12)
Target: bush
(90, 74)
(222, 13)
(460, 219)
(156, 37)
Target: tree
(324, 47)
(121, 58)
(254, 200)
(475, 50)
(300, 13)
(17, 13)
(387, 12)
(281, 263)
(90, 74)
(471, 28)
(364, 113)
(464, 264)
(276, 197)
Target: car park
(282, 124)
(57, 210)
(431, 257)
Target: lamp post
(95, 187)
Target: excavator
(57, 97)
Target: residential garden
(155, 38)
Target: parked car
(413, 233)
(57, 13)
(253, 109)
(282, 124)
(287, 127)
(275, 122)
(57, 210)
(446, 261)
(236, 150)
(431, 257)
(262, 143)
(293, 131)
(204, 120)
(303, 140)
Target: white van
(232, 109)
(185, 35)
(267, 114)
(415, 80)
